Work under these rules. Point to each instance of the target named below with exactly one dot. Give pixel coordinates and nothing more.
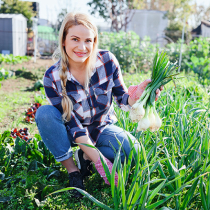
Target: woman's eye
(75, 39)
(89, 40)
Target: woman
(80, 87)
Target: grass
(176, 158)
(17, 95)
(12, 107)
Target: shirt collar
(99, 62)
(71, 78)
(69, 75)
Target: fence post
(35, 20)
(180, 56)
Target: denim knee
(53, 132)
(108, 142)
(46, 113)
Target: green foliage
(24, 165)
(18, 7)
(171, 171)
(118, 12)
(4, 74)
(195, 57)
(172, 166)
(29, 172)
(38, 84)
(132, 54)
(40, 97)
(100, 7)
(11, 59)
(174, 31)
(135, 55)
(201, 66)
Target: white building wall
(13, 36)
(205, 30)
(148, 23)
(19, 36)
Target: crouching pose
(80, 88)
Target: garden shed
(205, 28)
(13, 34)
(202, 30)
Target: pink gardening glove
(135, 91)
(100, 169)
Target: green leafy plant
(4, 74)
(195, 57)
(201, 66)
(173, 175)
(132, 53)
(11, 59)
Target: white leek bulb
(133, 115)
(152, 119)
(158, 121)
(144, 123)
(137, 112)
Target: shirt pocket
(77, 106)
(103, 94)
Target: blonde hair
(74, 19)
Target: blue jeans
(55, 136)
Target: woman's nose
(81, 46)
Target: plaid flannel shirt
(92, 107)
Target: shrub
(132, 53)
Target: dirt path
(15, 97)
(30, 65)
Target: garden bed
(173, 165)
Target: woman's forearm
(131, 102)
(90, 152)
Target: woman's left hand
(135, 91)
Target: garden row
(171, 172)
(10, 59)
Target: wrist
(131, 101)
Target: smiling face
(78, 44)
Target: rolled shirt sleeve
(120, 91)
(75, 128)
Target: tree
(200, 13)
(60, 18)
(120, 12)
(176, 9)
(18, 7)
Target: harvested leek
(143, 111)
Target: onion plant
(172, 168)
(143, 111)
